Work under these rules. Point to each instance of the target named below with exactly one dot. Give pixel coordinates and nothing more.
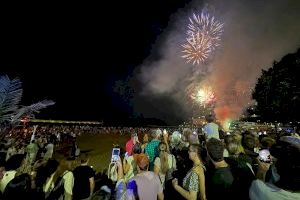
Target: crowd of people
(154, 164)
(212, 166)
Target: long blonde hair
(163, 155)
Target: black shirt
(219, 183)
(81, 189)
(243, 175)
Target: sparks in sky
(197, 48)
(202, 38)
(203, 96)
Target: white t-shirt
(260, 190)
(58, 136)
(211, 130)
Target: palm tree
(11, 111)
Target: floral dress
(191, 181)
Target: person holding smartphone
(115, 155)
(129, 163)
(288, 184)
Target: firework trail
(202, 38)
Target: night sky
(120, 61)
(74, 54)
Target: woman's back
(171, 163)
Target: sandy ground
(99, 147)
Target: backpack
(58, 191)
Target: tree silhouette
(277, 91)
(10, 97)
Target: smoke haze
(255, 34)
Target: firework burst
(202, 38)
(203, 96)
(197, 48)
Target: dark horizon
(76, 55)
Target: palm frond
(10, 96)
(30, 110)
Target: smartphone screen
(264, 155)
(126, 155)
(165, 131)
(115, 154)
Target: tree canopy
(277, 91)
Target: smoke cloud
(255, 34)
